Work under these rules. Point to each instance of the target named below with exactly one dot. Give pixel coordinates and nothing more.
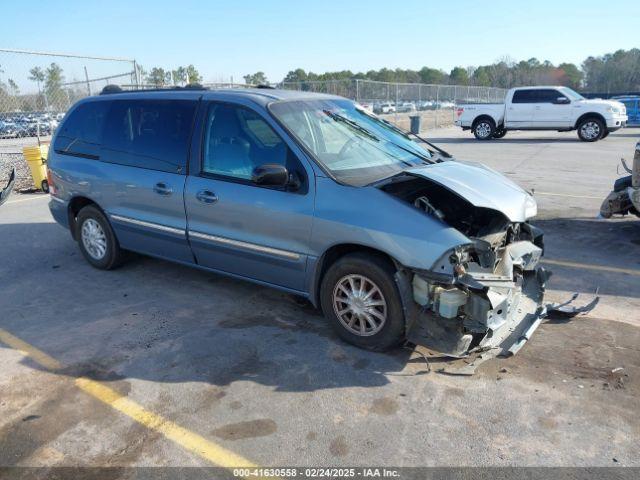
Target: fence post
(395, 114)
(136, 74)
(86, 76)
(437, 110)
(357, 90)
(455, 102)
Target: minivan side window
(80, 133)
(237, 140)
(152, 134)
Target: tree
(53, 86)
(432, 75)
(258, 78)
(613, 72)
(179, 76)
(157, 77)
(297, 75)
(570, 75)
(481, 77)
(142, 74)
(15, 90)
(459, 76)
(37, 75)
(193, 76)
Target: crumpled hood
(481, 186)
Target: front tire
(360, 298)
(590, 129)
(96, 239)
(484, 129)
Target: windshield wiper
(356, 126)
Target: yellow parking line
(186, 439)
(591, 266)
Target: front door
(547, 112)
(235, 226)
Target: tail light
(459, 111)
(52, 186)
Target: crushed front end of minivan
(485, 296)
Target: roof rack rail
(109, 89)
(262, 85)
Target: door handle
(162, 188)
(206, 196)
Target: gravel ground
(11, 156)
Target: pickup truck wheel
(484, 129)
(96, 239)
(499, 133)
(359, 297)
(605, 134)
(590, 129)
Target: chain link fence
(434, 104)
(36, 89)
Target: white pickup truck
(543, 108)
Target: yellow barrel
(36, 158)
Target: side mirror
(270, 175)
(562, 101)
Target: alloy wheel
(590, 130)
(94, 239)
(359, 305)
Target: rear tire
(359, 296)
(591, 129)
(484, 129)
(96, 239)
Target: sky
(225, 39)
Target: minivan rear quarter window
(152, 134)
(81, 132)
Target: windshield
(571, 94)
(357, 147)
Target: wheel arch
(483, 116)
(587, 115)
(335, 253)
(76, 204)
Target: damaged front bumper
(493, 308)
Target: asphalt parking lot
(159, 364)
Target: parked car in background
(385, 107)
(9, 130)
(311, 194)
(426, 105)
(543, 108)
(406, 107)
(632, 104)
(367, 106)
